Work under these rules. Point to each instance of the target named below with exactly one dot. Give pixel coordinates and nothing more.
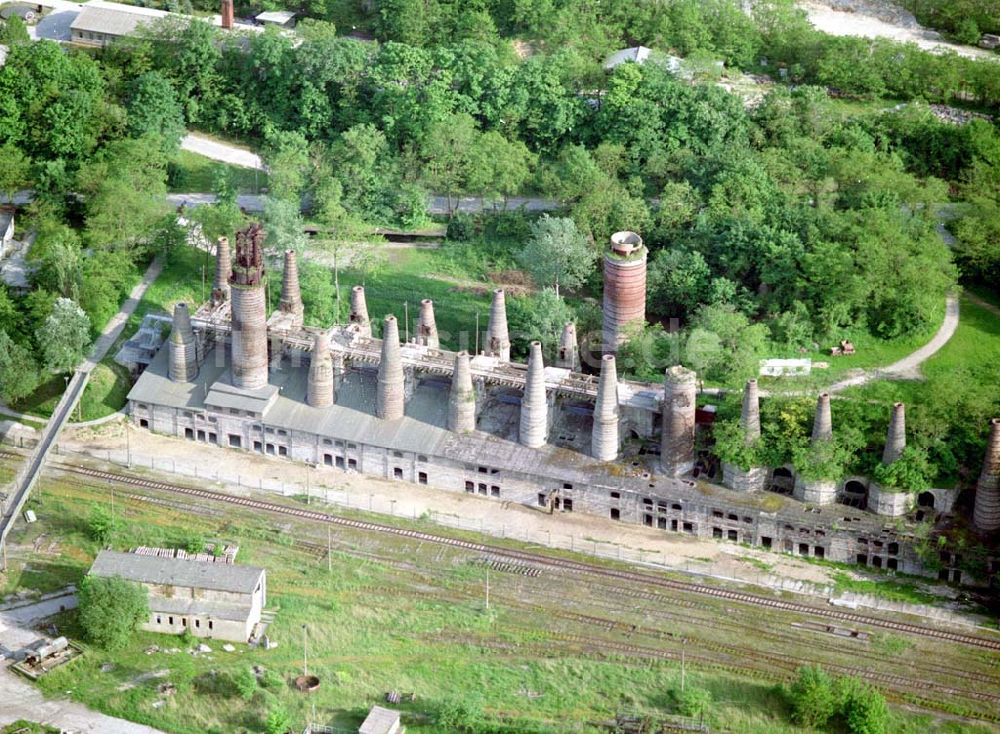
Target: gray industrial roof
(186, 606)
(280, 17)
(177, 572)
(114, 19)
(380, 721)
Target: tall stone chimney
(750, 416)
(679, 403)
(624, 288)
(359, 311)
(427, 330)
(534, 404)
(319, 388)
(291, 294)
(986, 515)
(249, 321)
(183, 364)
(497, 337)
(390, 398)
(569, 349)
(823, 423)
(895, 440)
(604, 440)
(462, 400)
(226, 11)
(223, 267)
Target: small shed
(381, 721)
(280, 18)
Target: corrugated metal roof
(177, 572)
(114, 19)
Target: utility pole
(305, 653)
(476, 353)
(683, 644)
(406, 317)
(329, 550)
(487, 587)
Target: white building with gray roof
(211, 599)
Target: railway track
(561, 564)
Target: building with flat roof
(211, 599)
(100, 22)
(280, 18)
(381, 721)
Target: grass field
(394, 614)
(194, 173)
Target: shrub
(692, 701)
(277, 721)
(863, 708)
(111, 609)
(812, 697)
(245, 683)
(100, 526)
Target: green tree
(278, 721)
(538, 317)
(14, 31)
(283, 225)
(813, 698)
(153, 109)
(557, 254)
(863, 707)
(287, 156)
(447, 154)
(723, 344)
(911, 472)
(15, 173)
(245, 683)
(692, 701)
(677, 282)
(18, 370)
(64, 337)
(111, 609)
(100, 525)
(498, 166)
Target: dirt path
(219, 151)
(983, 303)
(874, 19)
(908, 368)
(20, 700)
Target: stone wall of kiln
(698, 515)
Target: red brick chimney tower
(226, 12)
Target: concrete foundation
(462, 397)
(183, 356)
(427, 332)
(605, 437)
(390, 399)
(753, 479)
(679, 403)
(889, 504)
(497, 335)
(987, 510)
(815, 491)
(534, 419)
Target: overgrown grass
(371, 628)
(890, 589)
(194, 173)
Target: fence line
(372, 502)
